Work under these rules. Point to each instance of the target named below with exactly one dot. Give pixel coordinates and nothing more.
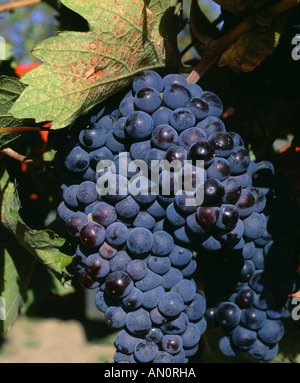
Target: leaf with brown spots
(81, 69)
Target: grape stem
(19, 157)
(17, 4)
(21, 129)
(205, 40)
(217, 47)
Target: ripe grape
(75, 223)
(182, 119)
(148, 78)
(96, 266)
(118, 284)
(147, 99)
(92, 234)
(191, 136)
(201, 151)
(222, 143)
(138, 126)
(176, 96)
(138, 322)
(164, 136)
(198, 107)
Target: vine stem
(17, 4)
(193, 24)
(217, 47)
(21, 129)
(19, 157)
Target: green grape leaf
(42, 282)
(81, 69)
(16, 266)
(44, 245)
(251, 49)
(10, 90)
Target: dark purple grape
(260, 200)
(126, 107)
(185, 203)
(181, 119)
(211, 125)
(213, 192)
(96, 266)
(147, 78)
(107, 251)
(198, 107)
(70, 196)
(232, 189)
(237, 139)
(172, 343)
(176, 153)
(239, 160)
(244, 179)
(214, 103)
(211, 243)
(228, 216)
(139, 150)
(87, 193)
(118, 284)
(99, 155)
(164, 136)
(176, 78)
(154, 157)
(202, 151)
(247, 271)
(233, 235)
(86, 280)
(245, 297)
(228, 315)
(176, 96)
(190, 136)
(207, 215)
(77, 160)
(92, 139)
(92, 234)
(119, 126)
(246, 203)
(194, 226)
(75, 223)
(210, 316)
(64, 212)
(147, 99)
(169, 182)
(195, 90)
(222, 143)
(139, 126)
(104, 214)
(219, 169)
(161, 116)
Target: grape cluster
(138, 249)
(250, 300)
